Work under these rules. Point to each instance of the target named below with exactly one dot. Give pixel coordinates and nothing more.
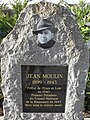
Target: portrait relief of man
(45, 32)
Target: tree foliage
(18, 6)
(3, 6)
(82, 12)
(6, 24)
(8, 21)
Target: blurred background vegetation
(8, 18)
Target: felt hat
(44, 24)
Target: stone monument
(44, 65)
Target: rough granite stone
(20, 48)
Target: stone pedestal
(20, 48)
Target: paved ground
(1, 118)
(86, 118)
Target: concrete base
(86, 118)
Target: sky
(68, 1)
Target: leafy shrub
(6, 24)
(82, 12)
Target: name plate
(44, 88)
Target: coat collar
(47, 45)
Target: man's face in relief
(45, 36)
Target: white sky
(68, 1)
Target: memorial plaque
(44, 88)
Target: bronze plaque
(44, 88)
